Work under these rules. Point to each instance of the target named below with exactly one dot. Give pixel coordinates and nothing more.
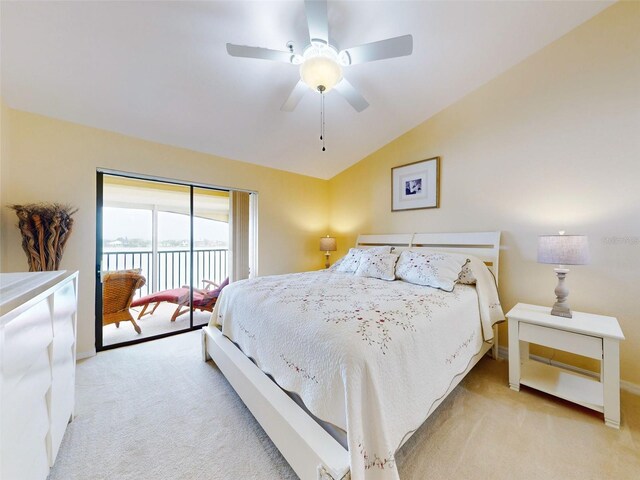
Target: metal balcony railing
(172, 267)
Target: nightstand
(593, 336)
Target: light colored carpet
(151, 325)
(156, 411)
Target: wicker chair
(118, 289)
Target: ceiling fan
(321, 63)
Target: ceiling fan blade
(352, 96)
(389, 48)
(259, 52)
(317, 19)
(294, 97)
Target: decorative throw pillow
(437, 270)
(335, 266)
(349, 263)
(377, 265)
(466, 276)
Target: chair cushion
(176, 295)
(181, 296)
(203, 298)
(219, 288)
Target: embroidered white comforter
(366, 355)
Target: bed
(340, 370)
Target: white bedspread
(366, 355)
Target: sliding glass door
(162, 257)
(210, 249)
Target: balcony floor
(151, 325)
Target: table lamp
(327, 244)
(562, 250)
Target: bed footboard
(310, 450)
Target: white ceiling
(160, 71)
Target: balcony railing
(172, 267)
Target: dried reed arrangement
(45, 229)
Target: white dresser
(37, 369)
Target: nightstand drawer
(562, 340)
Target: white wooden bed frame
(309, 449)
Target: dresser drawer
(561, 340)
(64, 302)
(25, 338)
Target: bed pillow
(377, 265)
(349, 263)
(466, 276)
(335, 266)
(437, 270)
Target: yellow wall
(53, 160)
(553, 143)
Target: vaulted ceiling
(159, 70)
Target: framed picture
(416, 185)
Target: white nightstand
(593, 336)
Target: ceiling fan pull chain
(323, 135)
(321, 89)
(321, 115)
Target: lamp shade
(563, 249)
(328, 244)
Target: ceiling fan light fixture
(344, 58)
(320, 68)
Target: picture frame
(416, 185)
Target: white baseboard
(83, 355)
(630, 387)
(503, 352)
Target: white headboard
(484, 245)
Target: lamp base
(561, 311)
(326, 262)
(561, 307)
